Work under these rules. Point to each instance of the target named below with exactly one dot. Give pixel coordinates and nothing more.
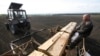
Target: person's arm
(82, 30)
(78, 27)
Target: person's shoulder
(89, 23)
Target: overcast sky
(53, 6)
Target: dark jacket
(84, 29)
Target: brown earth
(49, 21)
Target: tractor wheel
(13, 29)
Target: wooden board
(58, 48)
(45, 46)
(37, 53)
(69, 28)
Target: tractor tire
(13, 29)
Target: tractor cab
(17, 15)
(17, 18)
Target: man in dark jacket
(82, 31)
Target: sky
(54, 6)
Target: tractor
(17, 19)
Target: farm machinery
(17, 19)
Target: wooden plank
(45, 46)
(69, 28)
(37, 53)
(58, 48)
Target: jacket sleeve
(82, 30)
(78, 27)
